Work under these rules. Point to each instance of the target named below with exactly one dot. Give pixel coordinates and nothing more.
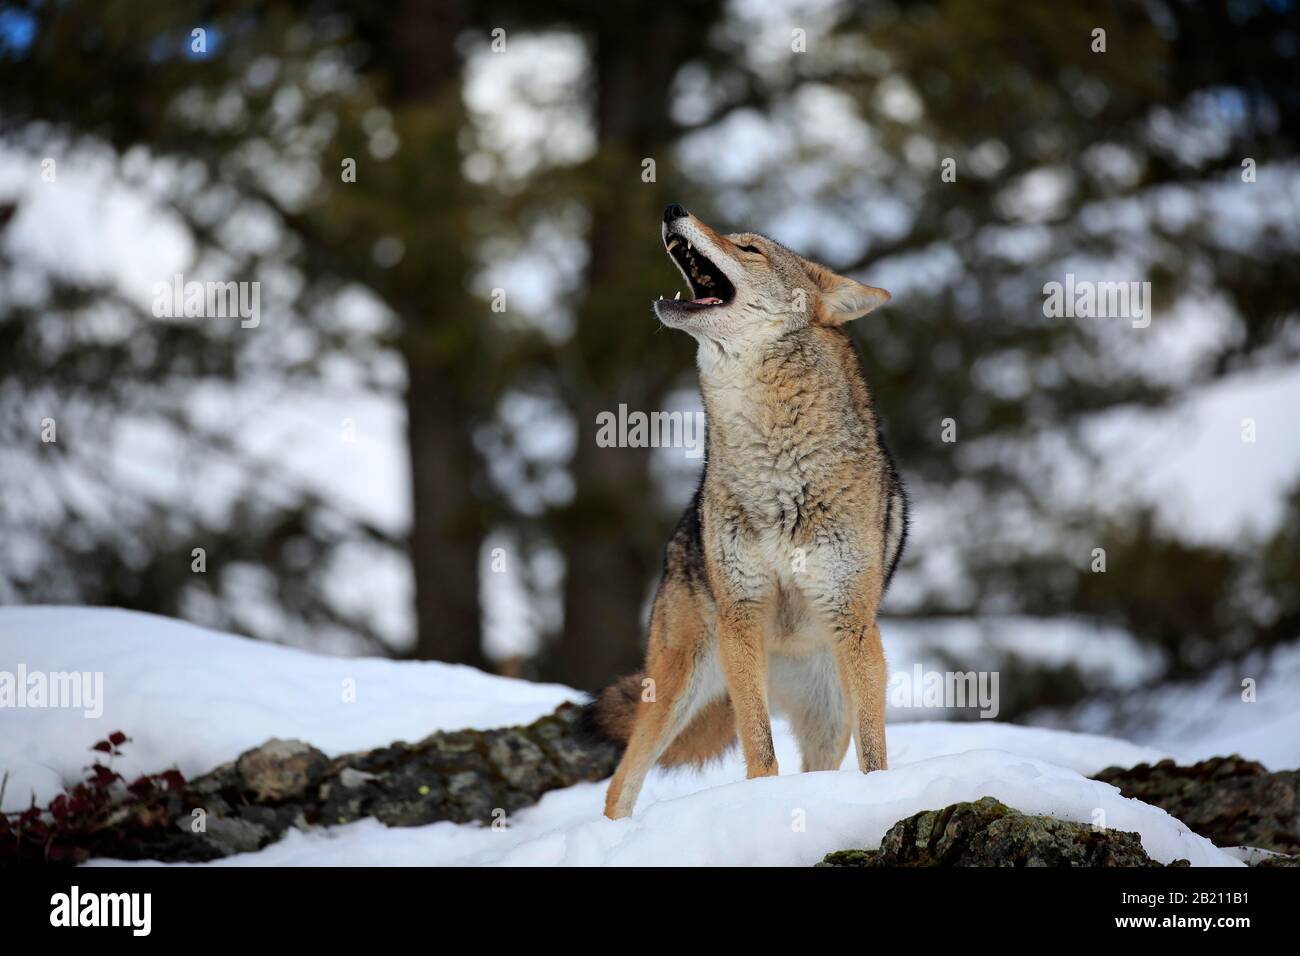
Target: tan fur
(773, 578)
(709, 734)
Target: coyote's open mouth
(709, 285)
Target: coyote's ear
(842, 299)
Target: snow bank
(717, 818)
(193, 698)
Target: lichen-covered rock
(234, 835)
(850, 858)
(989, 833)
(281, 769)
(1232, 801)
(463, 776)
(1258, 856)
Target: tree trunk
(608, 569)
(445, 532)
(439, 346)
(612, 538)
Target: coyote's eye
(754, 249)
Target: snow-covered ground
(192, 698)
(717, 818)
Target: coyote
(772, 579)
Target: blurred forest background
(389, 465)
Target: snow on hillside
(1212, 716)
(193, 698)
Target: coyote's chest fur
(793, 456)
(779, 462)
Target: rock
(1232, 801)
(463, 776)
(850, 858)
(351, 778)
(522, 763)
(229, 835)
(989, 833)
(281, 769)
(1257, 856)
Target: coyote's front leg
(861, 661)
(744, 662)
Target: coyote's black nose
(673, 211)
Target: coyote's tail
(612, 714)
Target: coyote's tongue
(707, 300)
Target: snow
(1210, 481)
(716, 818)
(193, 698)
(1214, 716)
(1190, 721)
(1106, 656)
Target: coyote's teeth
(673, 244)
(677, 296)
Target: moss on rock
(989, 833)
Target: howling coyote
(773, 577)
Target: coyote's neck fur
(787, 424)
